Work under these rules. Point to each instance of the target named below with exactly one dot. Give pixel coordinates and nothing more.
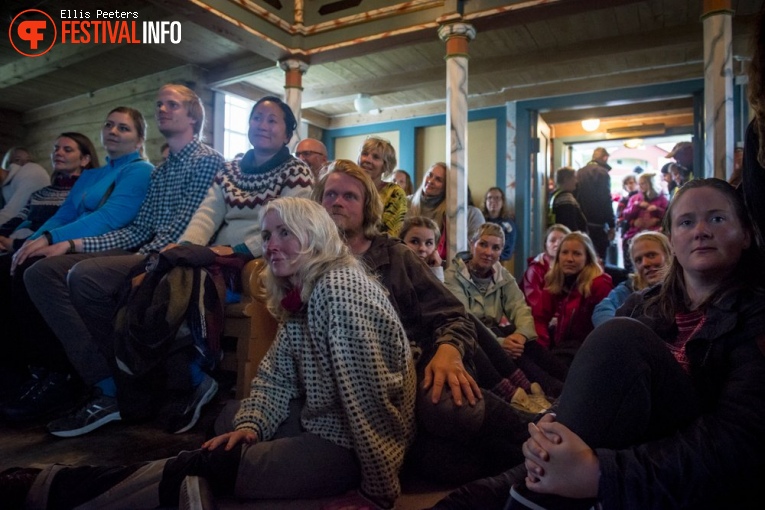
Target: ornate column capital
(456, 36)
(293, 64)
(710, 7)
(294, 69)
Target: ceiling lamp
(633, 143)
(363, 103)
(590, 125)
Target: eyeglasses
(305, 154)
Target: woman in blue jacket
(102, 199)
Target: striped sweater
(39, 208)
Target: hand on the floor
(231, 439)
(560, 462)
(446, 368)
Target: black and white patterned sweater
(348, 356)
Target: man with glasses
(313, 153)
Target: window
(235, 125)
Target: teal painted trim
(523, 124)
(407, 130)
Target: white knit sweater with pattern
(347, 354)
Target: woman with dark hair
(102, 199)
(495, 211)
(72, 153)
(404, 181)
(331, 407)
(228, 215)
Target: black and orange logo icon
(32, 33)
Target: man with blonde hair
(457, 421)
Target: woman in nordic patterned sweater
(228, 216)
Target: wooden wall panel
(87, 112)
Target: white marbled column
(718, 89)
(294, 70)
(456, 36)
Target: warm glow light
(633, 143)
(590, 124)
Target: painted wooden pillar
(294, 70)
(456, 36)
(718, 89)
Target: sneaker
(97, 412)
(538, 398)
(45, 394)
(188, 415)
(195, 494)
(14, 486)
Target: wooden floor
(118, 443)
(113, 444)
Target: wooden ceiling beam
(689, 37)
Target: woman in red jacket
(573, 286)
(534, 278)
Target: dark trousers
(623, 388)
(27, 339)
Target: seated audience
(331, 408)
(102, 199)
(21, 177)
(378, 159)
(421, 234)
(651, 254)
(430, 201)
(78, 293)
(462, 430)
(402, 178)
(563, 207)
(644, 211)
(694, 344)
(72, 153)
(534, 278)
(697, 345)
(495, 211)
(489, 292)
(574, 285)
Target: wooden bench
(253, 327)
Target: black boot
(14, 486)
